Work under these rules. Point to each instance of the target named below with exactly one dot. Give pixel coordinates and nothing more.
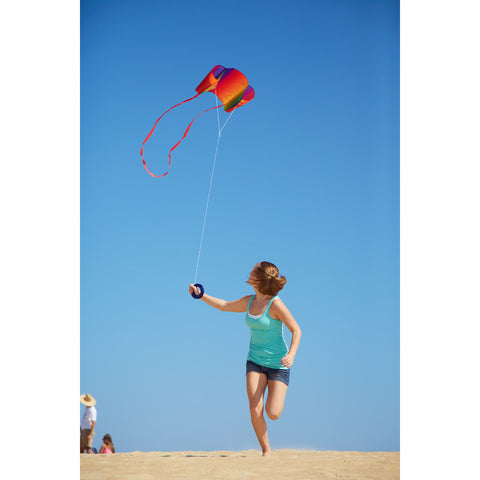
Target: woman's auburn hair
(267, 278)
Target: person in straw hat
(87, 427)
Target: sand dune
(248, 464)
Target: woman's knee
(273, 412)
(256, 410)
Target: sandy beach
(247, 464)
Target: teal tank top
(267, 344)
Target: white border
(40, 199)
(439, 238)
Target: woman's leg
(256, 385)
(276, 398)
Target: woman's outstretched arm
(239, 305)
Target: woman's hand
(193, 289)
(287, 360)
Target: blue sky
(307, 177)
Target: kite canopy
(228, 84)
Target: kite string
(220, 130)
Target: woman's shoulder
(276, 307)
(247, 298)
(277, 301)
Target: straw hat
(87, 400)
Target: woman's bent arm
(279, 311)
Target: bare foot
(267, 453)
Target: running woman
(269, 359)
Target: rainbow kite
(228, 84)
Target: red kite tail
(152, 130)
(184, 135)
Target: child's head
(265, 278)
(107, 439)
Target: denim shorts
(279, 374)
